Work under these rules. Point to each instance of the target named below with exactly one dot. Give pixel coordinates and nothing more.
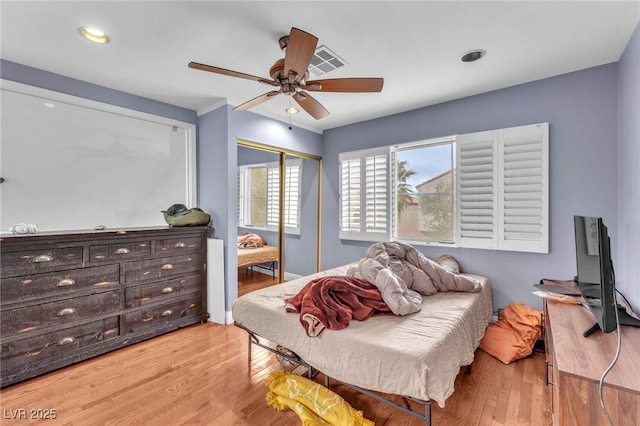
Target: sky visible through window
(426, 161)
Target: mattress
(254, 256)
(417, 355)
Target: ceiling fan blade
(346, 85)
(311, 105)
(257, 101)
(300, 49)
(231, 73)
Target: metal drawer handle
(122, 250)
(65, 282)
(180, 244)
(66, 311)
(166, 313)
(167, 290)
(42, 258)
(166, 267)
(66, 341)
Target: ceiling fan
(290, 76)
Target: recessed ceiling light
(49, 104)
(292, 110)
(473, 55)
(94, 35)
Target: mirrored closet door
(278, 215)
(301, 216)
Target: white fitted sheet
(418, 355)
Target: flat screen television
(596, 277)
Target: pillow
(515, 333)
(449, 263)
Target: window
(482, 190)
(258, 196)
(423, 191)
(364, 194)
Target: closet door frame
(283, 152)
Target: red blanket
(331, 302)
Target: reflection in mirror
(295, 253)
(70, 163)
(257, 217)
(301, 215)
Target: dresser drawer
(35, 261)
(39, 286)
(119, 251)
(154, 269)
(22, 320)
(178, 245)
(161, 316)
(49, 346)
(148, 293)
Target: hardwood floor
(253, 280)
(200, 376)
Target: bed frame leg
(249, 348)
(326, 381)
(427, 414)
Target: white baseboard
(228, 317)
(288, 276)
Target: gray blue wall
(71, 86)
(628, 259)
(581, 109)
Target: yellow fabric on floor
(312, 402)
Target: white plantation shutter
(350, 196)
(376, 193)
(273, 192)
(503, 189)
(241, 195)
(476, 188)
(292, 187)
(524, 188)
(364, 194)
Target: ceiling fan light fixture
(291, 110)
(473, 55)
(93, 34)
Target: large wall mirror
(278, 215)
(69, 163)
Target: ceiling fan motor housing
(277, 74)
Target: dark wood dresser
(66, 297)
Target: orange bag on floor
(513, 336)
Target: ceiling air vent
(324, 61)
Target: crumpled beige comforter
(403, 275)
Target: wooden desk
(575, 364)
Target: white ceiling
(415, 46)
